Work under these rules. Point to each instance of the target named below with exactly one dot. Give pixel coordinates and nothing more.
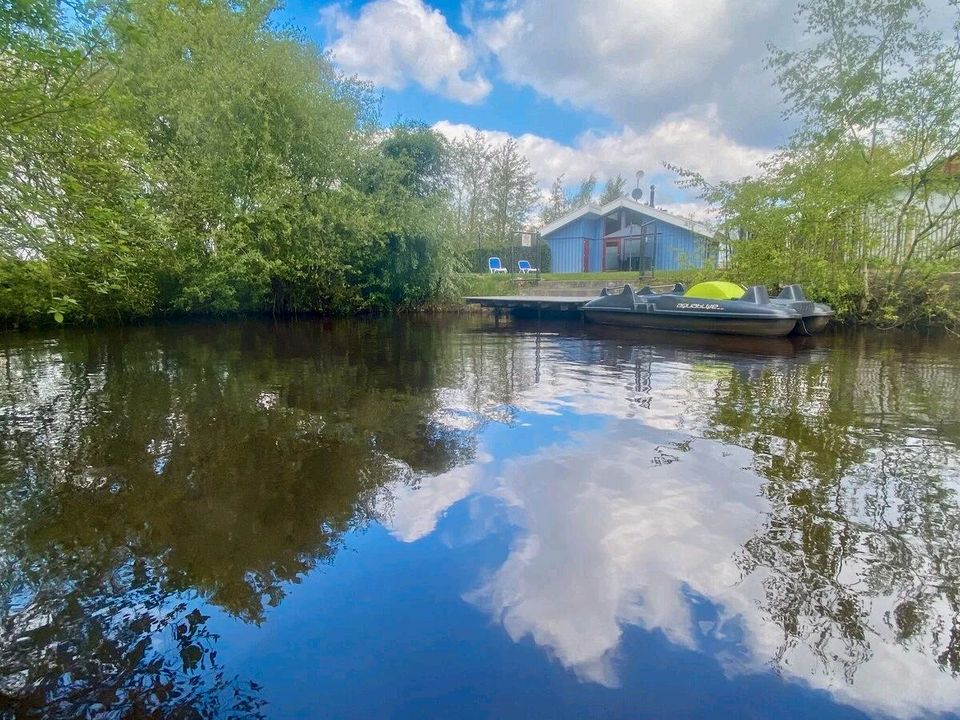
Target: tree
(408, 259)
(190, 156)
(860, 203)
(470, 175)
(557, 204)
(613, 189)
(584, 194)
(244, 170)
(73, 224)
(512, 190)
(422, 154)
(560, 202)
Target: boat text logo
(698, 306)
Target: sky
(603, 87)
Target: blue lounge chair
(524, 267)
(495, 265)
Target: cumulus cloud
(638, 61)
(395, 42)
(697, 143)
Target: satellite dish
(637, 194)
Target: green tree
(512, 190)
(75, 230)
(613, 189)
(249, 140)
(557, 204)
(469, 181)
(861, 205)
(406, 256)
(584, 194)
(192, 157)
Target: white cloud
(693, 142)
(394, 42)
(639, 61)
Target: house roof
(929, 161)
(629, 204)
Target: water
(439, 518)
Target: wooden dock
(532, 304)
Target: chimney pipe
(652, 188)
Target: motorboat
(707, 309)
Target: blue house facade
(626, 235)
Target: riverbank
(919, 302)
(939, 299)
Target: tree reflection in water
(860, 457)
(147, 472)
(149, 475)
(854, 441)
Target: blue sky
(605, 86)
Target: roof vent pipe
(652, 188)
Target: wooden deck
(569, 304)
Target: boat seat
(792, 292)
(756, 294)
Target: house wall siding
(677, 247)
(566, 254)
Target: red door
(586, 255)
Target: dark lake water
(437, 518)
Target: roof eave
(686, 223)
(569, 218)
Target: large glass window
(638, 252)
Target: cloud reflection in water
(641, 522)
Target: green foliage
(861, 206)
(613, 189)
(584, 194)
(492, 192)
(188, 156)
(557, 204)
(561, 202)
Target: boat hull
(686, 322)
(813, 324)
(814, 317)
